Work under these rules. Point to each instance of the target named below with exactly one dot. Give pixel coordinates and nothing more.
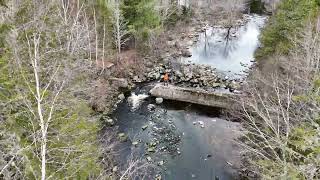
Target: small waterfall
(136, 100)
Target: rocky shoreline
(178, 46)
(181, 74)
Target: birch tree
(44, 116)
(120, 27)
(47, 49)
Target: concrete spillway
(193, 95)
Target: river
(189, 141)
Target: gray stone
(121, 97)
(161, 163)
(110, 122)
(138, 79)
(158, 177)
(177, 45)
(122, 137)
(159, 100)
(157, 76)
(170, 43)
(119, 82)
(178, 74)
(151, 149)
(186, 53)
(151, 107)
(115, 169)
(189, 43)
(121, 134)
(135, 143)
(215, 85)
(144, 127)
(234, 85)
(149, 159)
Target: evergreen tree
(141, 16)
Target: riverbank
(191, 75)
(280, 136)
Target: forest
(74, 74)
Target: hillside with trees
(66, 64)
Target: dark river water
(190, 141)
(206, 147)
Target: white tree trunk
(38, 97)
(117, 16)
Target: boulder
(159, 100)
(149, 159)
(119, 82)
(189, 43)
(110, 122)
(170, 43)
(115, 169)
(234, 85)
(121, 97)
(158, 177)
(137, 79)
(186, 53)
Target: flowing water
(190, 141)
(200, 145)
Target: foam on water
(136, 100)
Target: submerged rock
(149, 159)
(144, 127)
(122, 137)
(161, 163)
(158, 177)
(151, 107)
(151, 150)
(135, 143)
(201, 123)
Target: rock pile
(191, 75)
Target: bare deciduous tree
(121, 32)
(44, 116)
(271, 110)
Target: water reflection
(231, 56)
